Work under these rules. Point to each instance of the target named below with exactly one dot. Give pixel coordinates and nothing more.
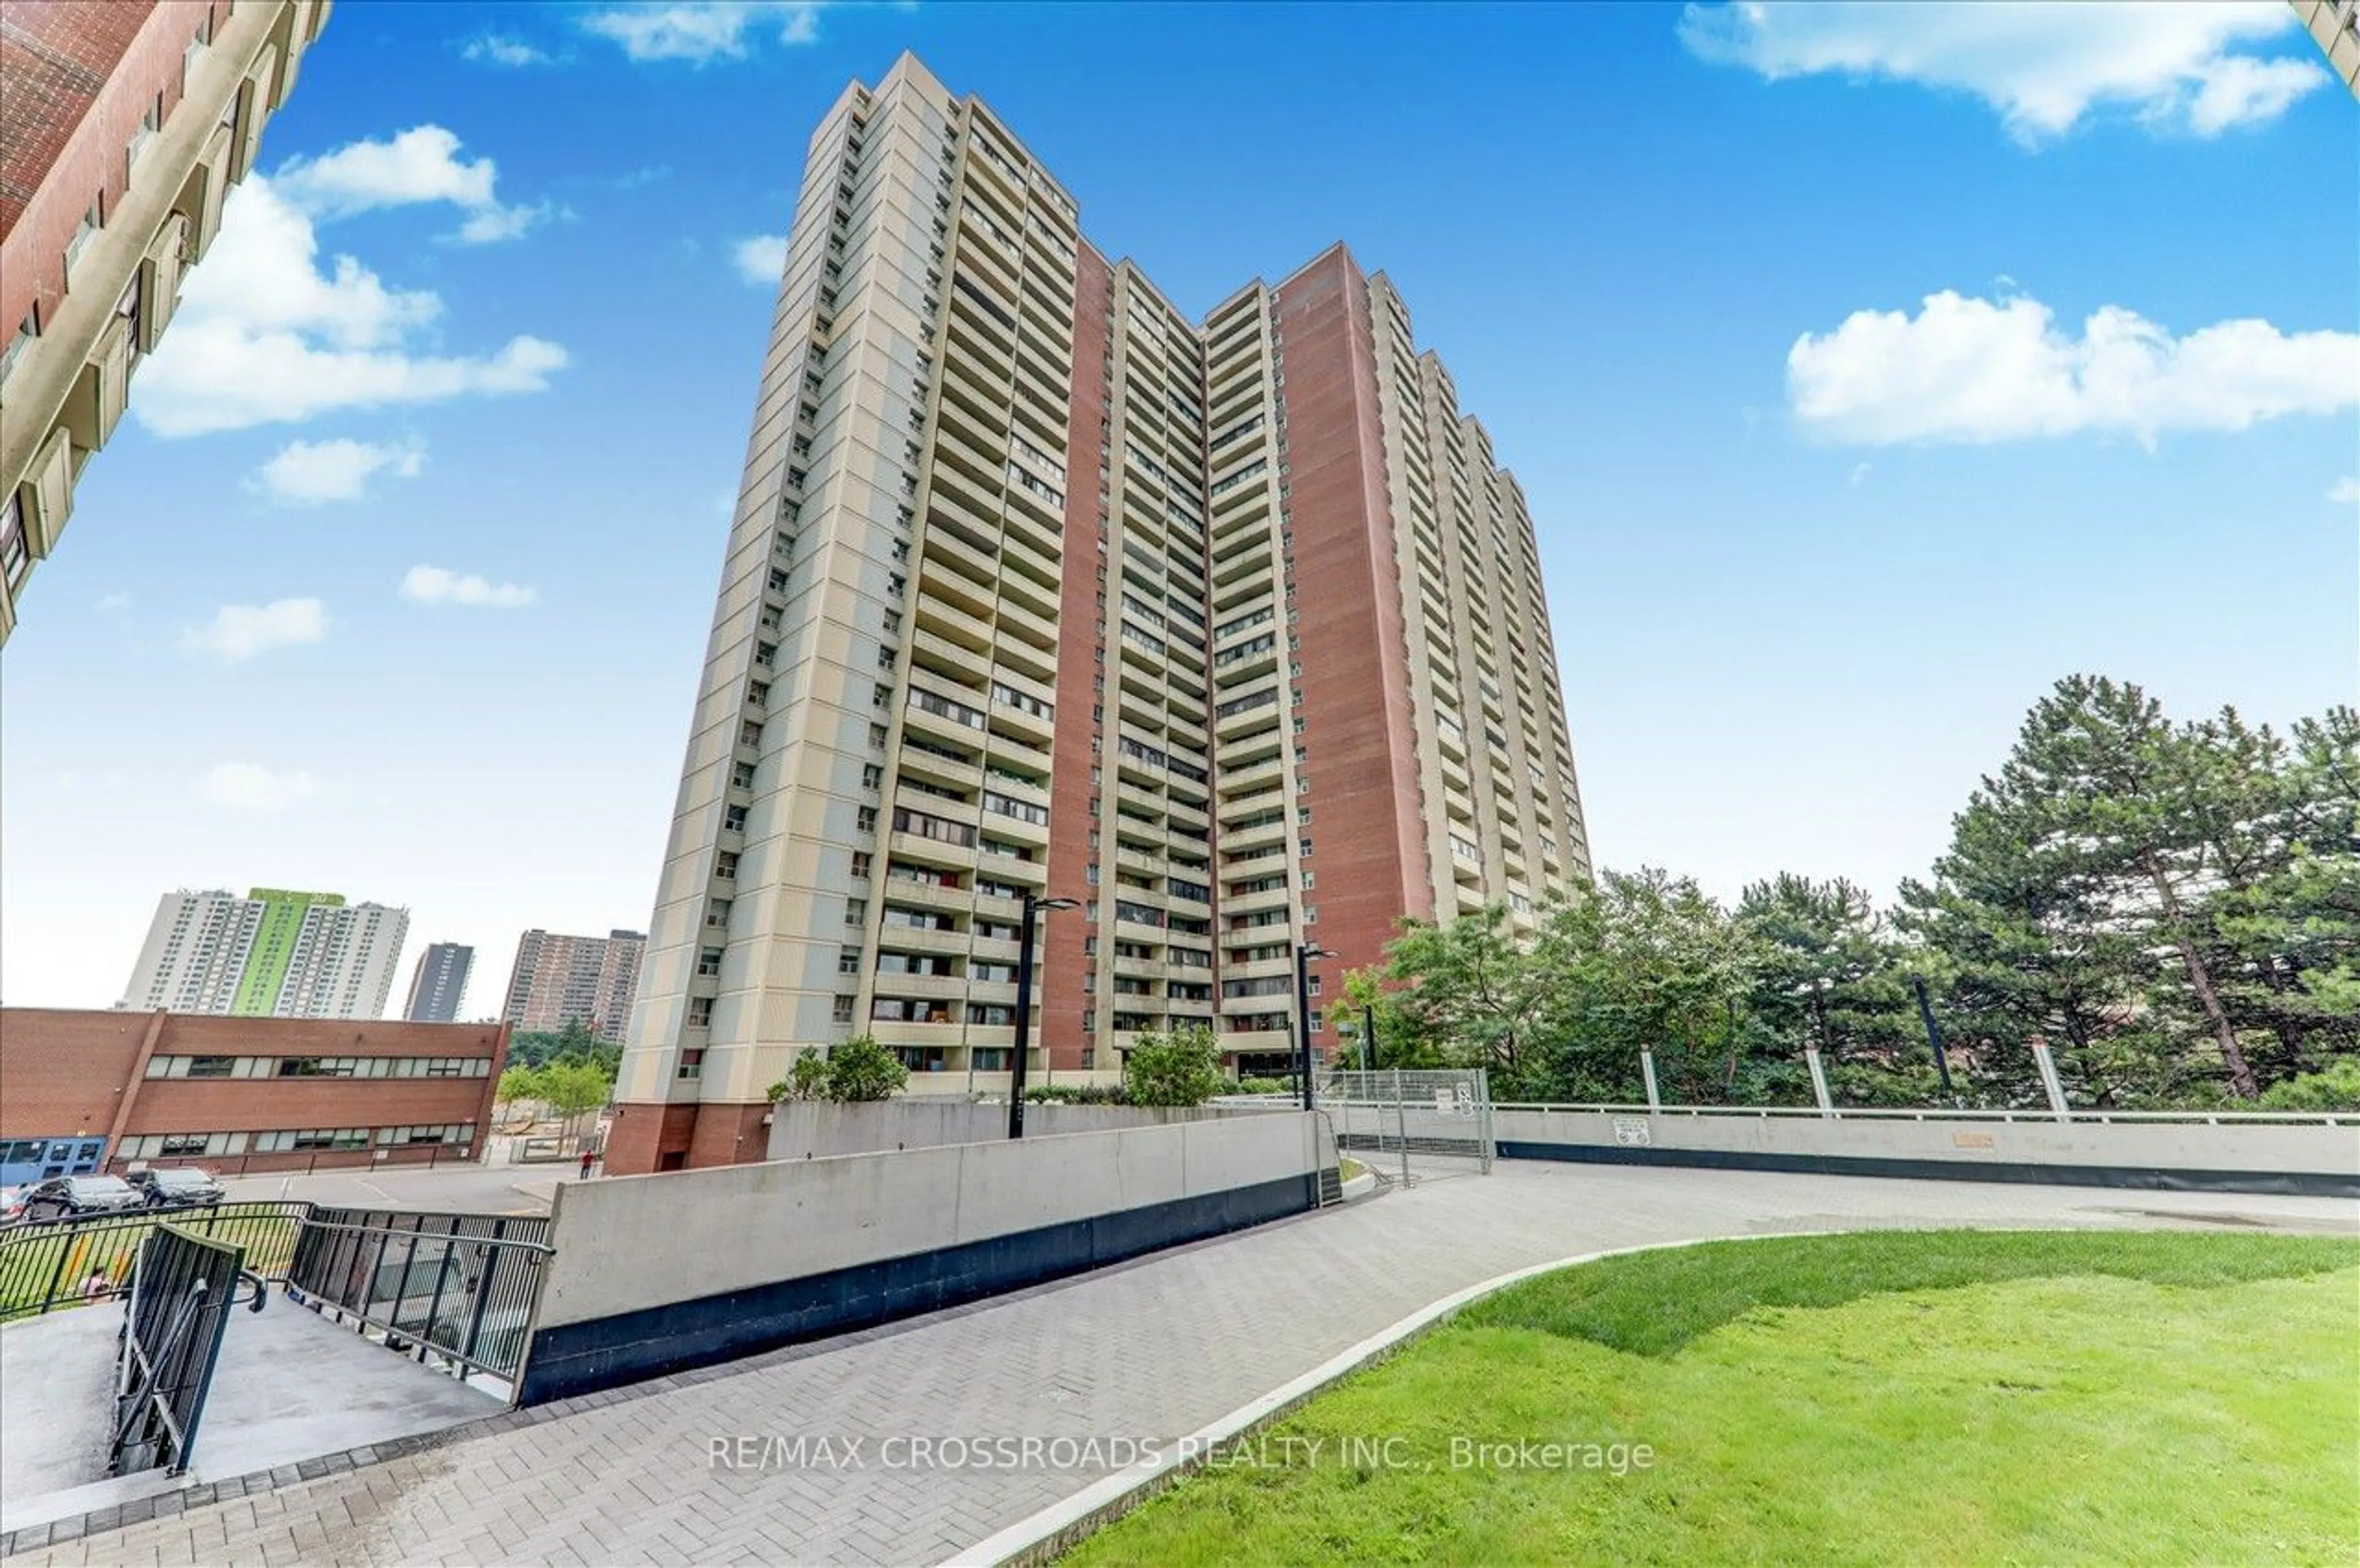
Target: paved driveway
(1159, 1348)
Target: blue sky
(1868, 368)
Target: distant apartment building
(122, 124)
(271, 954)
(439, 983)
(94, 1091)
(1232, 630)
(560, 980)
(2334, 25)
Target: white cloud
(1859, 473)
(2345, 492)
(244, 787)
(262, 335)
(435, 585)
(493, 49)
(762, 258)
(118, 600)
(1978, 370)
(306, 473)
(703, 30)
(241, 631)
(2041, 67)
(420, 164)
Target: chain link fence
(1410, 1126)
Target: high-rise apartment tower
(273, 953)
(586, 980)
(1232, 630)
(439, 983)
(123, 126)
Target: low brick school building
(86, 1091)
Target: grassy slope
(1926, 1397)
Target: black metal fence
(183, 1286)
(75, 1262)
(460, 1288)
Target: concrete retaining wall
(656, 1273)
(2156, 1156)
(815, 1129)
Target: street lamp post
(1305, 952)
(1033, 905)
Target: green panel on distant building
(274, 947)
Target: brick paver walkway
(1156, 1350)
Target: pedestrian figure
(587, 1157)
(96, 1286)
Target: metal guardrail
(461, 1288)
(69, 1263)
(1864, 1113)
(180, 1300)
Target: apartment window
(26, 331)
(86, 232)
(867, 819)
(749, 733)
(16, 560)
(716, 914)
(848, 961)
(734, 819)
(860, 863)
(692, 1062)
(741, 776)
(883, 697)
(843, 1012)
(725, 865)
(871, 777)
(708, 961)
(1310, 914)
(1304, 850)
(700, 1012)
(766, 654)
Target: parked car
(11, 1204)
(78, 1197)
(187, 1187)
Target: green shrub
(861, 1070)
(1180, 1068)
(2337, 1088)
(1262, 1086)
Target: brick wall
(1366, 827)
(71, 1072)
(80, 76)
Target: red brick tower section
(79, 75)
(1081, 654)
(1359, 737)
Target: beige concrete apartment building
(124, 126)
(1232, 630)
(2334, 25)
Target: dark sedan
(78, 1197)
(178, 1189)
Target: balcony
(1252, 776)
(918, 763)
(919, 850)
(1235, 905)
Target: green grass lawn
(1893, 1398)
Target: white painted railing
(2210, 1119)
